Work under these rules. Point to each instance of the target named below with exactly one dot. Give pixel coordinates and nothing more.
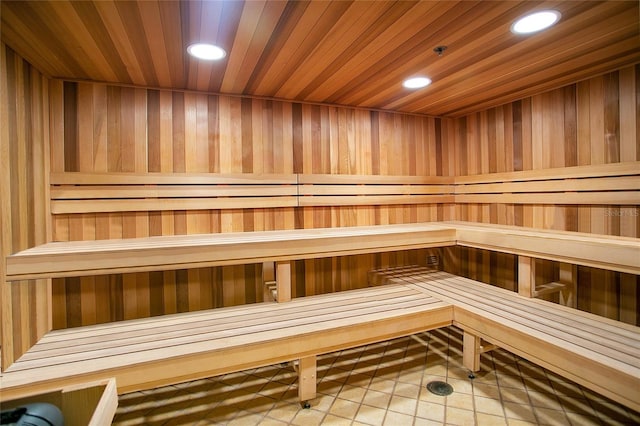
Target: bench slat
(162, 334)
(308, 331)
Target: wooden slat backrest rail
(610, 184)
(188, 251)
(631, 168)
(346, 190)
(598, 251)
(564, 340)
(316, 324)
(79, 178)
(122, 192)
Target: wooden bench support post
(471, 350)
(283, 281)
(269, 281)
(569, 277)
(307, 379)
(526, 276)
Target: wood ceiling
(352, 53)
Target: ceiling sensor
(440, 50)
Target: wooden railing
(607, 184)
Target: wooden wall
(588, 123)
(24, 160)
(106, 128)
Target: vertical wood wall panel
(588, 123)
(107, 128)
(25, 306)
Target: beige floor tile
(483, 419)
(583, 420)
(509, 381)
(308, 417)
(457, 416)
(544, 400)
(515, 422)
(517, 411)
(486, 391)
(344, 408)
(397, 419)
(461, 385)
(546, 416)
(370, 415)
(246, 419)
(331, 420)
(283, 411)
(431, 411)
(271, 422)
(460, 400)
(352, 393)
(376, 399)
(407, 390)
(426, 422)
(519, 396)
(401, 404)
(488, 406)
(381, 383)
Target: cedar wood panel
(109, 128)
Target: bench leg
(526, 276)
(307, 380)
(283, 281)
(471, 350)
(568, 277)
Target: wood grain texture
(187, 139)
(24, 160)
(593, 124)
(353, 53)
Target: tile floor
(382, 384)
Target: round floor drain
(440, 388)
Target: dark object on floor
(37, 414)
(440, 388)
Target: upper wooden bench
(79, 258)
(596, 352)
(151, 352)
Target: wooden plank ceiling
(352, 53)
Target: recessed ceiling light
(535, 22)
(208, 52)
(416, 82)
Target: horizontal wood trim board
(582, 198)
(609, 184)
(78, 178)
(375, 189)
(169, 191)
(341, 179)
(588, 184)
(629, 168)
(367, 200)
(169, 204)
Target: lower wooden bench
(596, 352)
(147, 353)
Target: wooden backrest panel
(606, 184)
(331, 190)
(128, 192)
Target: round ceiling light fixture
(206, 51)
(416, 82)
(535, 22)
